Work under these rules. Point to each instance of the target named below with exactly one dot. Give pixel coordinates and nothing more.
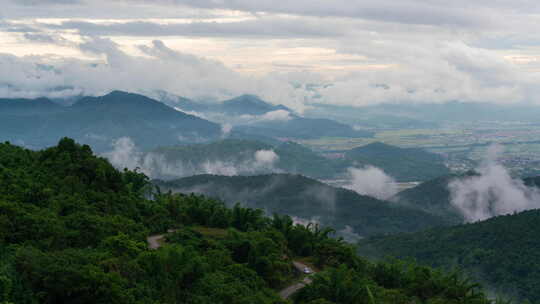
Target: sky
(296, 52)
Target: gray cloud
(458, 13)
(166, 69)
(48, 2)
(421, 51)
(456, 72)
(261, 27)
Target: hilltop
(98, 121)
(404, 164)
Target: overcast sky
(294, 52)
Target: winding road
(154, 243)
(288, 291)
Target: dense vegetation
(432, 196)
(98, 121)
(501, 251)
(403, 164)
(309, 199)
(73, 230)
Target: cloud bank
(296, 53)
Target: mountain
(28, 106)
(502, 251)
(75, 230)
(250, 105)
(238, 156)
(309, 200)
(432, 196)
(251, 115)
(241, 105)
(98, 121)
(409, 164)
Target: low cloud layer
(371, 181)
(125, 154)
(493, 192)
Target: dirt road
(288, 291)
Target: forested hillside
(501, 251)
(310, 200)
(73, 230)
(432, 196)
(402, 164)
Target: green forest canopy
(73, 230)
(502, 251)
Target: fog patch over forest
(125, 154)
(493, 192)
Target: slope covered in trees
(432, 196)
(402, 164)
(240, 154)
(309, 200)
(73, 230)
(502, 251)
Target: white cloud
(371, 181)
(277, 115)
(266, 158)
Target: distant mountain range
(257, 118)
(100, 120)
(424, 115)
(241, 105)
(309, 200)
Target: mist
(493, 192)
(371, 181)
(125, 154)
